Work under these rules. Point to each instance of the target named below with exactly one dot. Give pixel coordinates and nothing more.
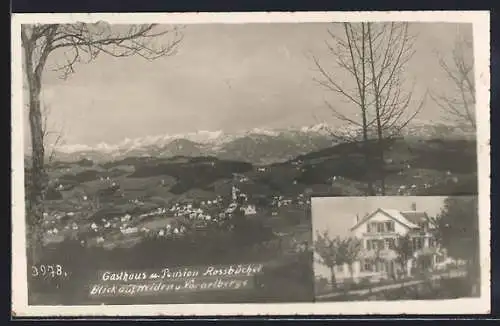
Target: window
(374, 244)
(390, 243)
(380, 267)
(372, 227)
(420, 243)
(379, 244)
(366, 266)
(417, 243)
(423, 226)
(380, 227)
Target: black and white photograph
(245, 158)
(396, 248)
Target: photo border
(358, 201)
(481, 32)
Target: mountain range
(258, 146)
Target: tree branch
(94, 39)
(460, 73)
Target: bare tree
(350, 250)
(350, 52)
(80, 43)
(404, 250)
(374, 55)
(391, 47)
(459, 104)
(51, 138)
(327, 249)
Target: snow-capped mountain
(204, 137)
(257, 145)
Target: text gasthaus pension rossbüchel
(183, 272)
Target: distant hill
(424, 167)
(194, 173)
(266, 149)
(180, 147)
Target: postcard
(263, 163)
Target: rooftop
(415, 216)
(409, 218)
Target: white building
(379, 232)
(234, 193)
(250, 210)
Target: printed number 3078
(48, 271)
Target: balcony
(380, 234)
(421, 233)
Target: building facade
(380, 233)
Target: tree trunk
(382, 172)
(392, 268)
(351, 272)
(38, 177)
(333, 279)
(404, 273)
(380, 146)
(369, 166)
(362, 90)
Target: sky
(338, 214)
(224, 77)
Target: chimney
(413, 206)
(357, 218)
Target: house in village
(379, 232)
(249, 210)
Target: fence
(366, 288)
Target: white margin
(481, 28)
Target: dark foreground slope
(146, 189)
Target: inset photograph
(395, 248)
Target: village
(175, 221)
(187, 216)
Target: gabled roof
(415, 217)
(391, 213)
(398, 215)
